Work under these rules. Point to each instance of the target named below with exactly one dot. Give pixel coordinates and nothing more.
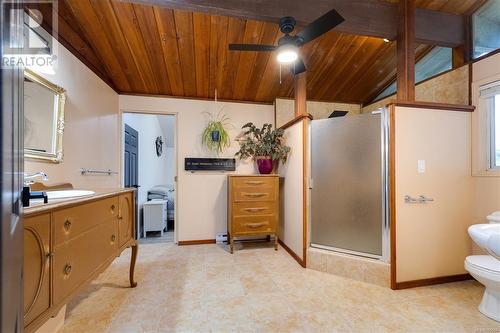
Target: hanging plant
(215, 136)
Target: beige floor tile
(206, 289)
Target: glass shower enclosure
(349, 184)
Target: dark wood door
(131, 176)
(11, 180)
(131, 157)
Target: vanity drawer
(254, 208)
(255, 224)
(75, 261)
(71, 222)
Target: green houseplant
(215, 136)
(265, 145)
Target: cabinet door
(126, 219)
(36, 266)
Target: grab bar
(420, 200)
(108, 172)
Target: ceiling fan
(288, 45)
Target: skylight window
(486, 28)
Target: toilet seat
(494, 217)
(484, 263)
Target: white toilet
(486, 268)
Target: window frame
(491, 130)
(493, 164)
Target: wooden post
(300, 94)
(406, 51)
(462, 54)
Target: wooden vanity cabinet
(126, 207)
(36, 266)
(67, 247)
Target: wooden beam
(300, 94)
(362, 17)
(406, 51)
(462, 54)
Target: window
(486, 28)
(438, 60)
(491, 95)
(495, 133)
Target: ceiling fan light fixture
(288, 54)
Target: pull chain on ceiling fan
(288, 45)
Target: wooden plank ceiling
(145, 49)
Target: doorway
(149, 164)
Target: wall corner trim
(434, 106)
(196, 242)
(432, 281)
(293, 254)
(296, 120)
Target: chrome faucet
(27, 194)
(28, 178)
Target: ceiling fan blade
(298, 67)
(320, 26)
(251, 47)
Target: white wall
(91, 130)
(201, 197)
(153, 170)
(432, 238)
(291, 230)
(486, 183)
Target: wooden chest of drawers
(253, 207)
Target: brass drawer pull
(256, 225)
(67, 225)
(113, 207)
(113, 238)
(255, 195)
(252, 210)
(254, 182)
(67, 269)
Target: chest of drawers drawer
(255, 224)
(253, 208)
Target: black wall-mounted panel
(209, 164)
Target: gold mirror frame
(57, 155)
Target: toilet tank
(494, 217)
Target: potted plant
(215, 136)
(264, 144)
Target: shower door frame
(385, 193)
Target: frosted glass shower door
(347, 196)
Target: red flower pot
(265, 164)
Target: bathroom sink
(67, 194)
(487, 236)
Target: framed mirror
(43, 118)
